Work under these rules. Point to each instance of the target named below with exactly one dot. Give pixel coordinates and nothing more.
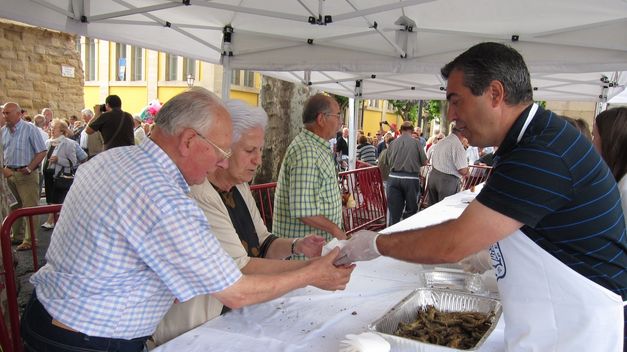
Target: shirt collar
(319, 140)
(509, 142)
(165, 162)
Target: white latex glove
(361, 246)
(479, 262)
(366, 342)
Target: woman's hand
(310, 245)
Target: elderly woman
(229, 206)
(64, 155)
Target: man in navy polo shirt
(550, 213)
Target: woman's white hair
(245, 117)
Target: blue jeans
(40, 335)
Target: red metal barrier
(364, 185)
(7, 261)
(264, 196)
(369, 210)
(476, 175)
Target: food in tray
(460, 330)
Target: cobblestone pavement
(24, 268)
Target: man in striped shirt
(24, 149)
(550, 213)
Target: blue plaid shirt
(129, 240)
(21, 146)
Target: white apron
(548, 306)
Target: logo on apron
(498, 262)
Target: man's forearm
(252, 289)
(322, 223)
(36, 160)
(271, 266)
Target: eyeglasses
(225, 154)
(338, 115)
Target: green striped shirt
(307, 186)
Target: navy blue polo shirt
(555, 183)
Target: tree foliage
(342, 101)
(406, 109)
(434, 109)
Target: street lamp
(190, 80)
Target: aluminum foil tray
(453, 280)
(442, 299)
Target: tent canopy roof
(396, 40)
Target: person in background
(129, 240)
(24, 149)
(115, 124)
(93, 143)
(449, 165)
(384, 162)
(307, 198)
(138, 131)
(48, 116)
(549, 213)
(228, 204)
(403, 190)
(609, 132)
(366, 152)
(63, 156)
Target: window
(373, 103)
(244, 78)
(120, 62)
(90, 59)
(171, 67)
(137, 68)
(189, 68)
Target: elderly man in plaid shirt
(308, 198)
(130, 240)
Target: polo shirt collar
(510, 138)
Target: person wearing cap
(550, 214)
(406, 156)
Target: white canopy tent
(575, 49)
(569, 45)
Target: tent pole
(354, 106)
(226, 78)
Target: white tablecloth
(310, 319)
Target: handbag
(63, 180)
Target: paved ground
(25, 262)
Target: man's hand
(362, 246)
(478, 263)
(327, 276)
(310, 246)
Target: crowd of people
(159, 231)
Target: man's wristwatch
(28, 170)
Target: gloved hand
(362, 246)
(479, 262)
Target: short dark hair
(612, 127)
(114, 102)
(315, 105)
(486, 62)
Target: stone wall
(31, 60)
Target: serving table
(311, 319)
